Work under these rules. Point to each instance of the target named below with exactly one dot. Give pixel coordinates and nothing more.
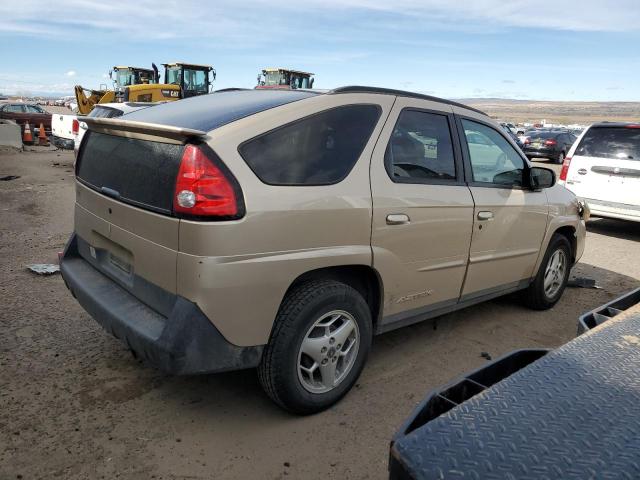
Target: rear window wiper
(110, 192)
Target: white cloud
(71, 73)
(264, 20)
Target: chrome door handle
(485, 215)
(397, 219)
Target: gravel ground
(76, 405)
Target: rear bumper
(602, 208)
(544, 153)
(185, 342)
(65, 143)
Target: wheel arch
(569, 232)
(363, 278)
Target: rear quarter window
(317, 150)
(611, 142)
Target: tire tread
(285, 325)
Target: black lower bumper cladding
(184, 342)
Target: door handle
(397, 219)
(485, 215)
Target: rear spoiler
(141, 130)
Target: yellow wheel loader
(134, 84)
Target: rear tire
(553, 274)
(318, 347)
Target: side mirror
(542, 178)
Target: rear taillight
(204, 188)
(633, 126)
(527, 141)
(565, 168)
(75, 126)
(550, 143)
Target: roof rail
(230, 89)
(400, 93)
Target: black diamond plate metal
(574, 413)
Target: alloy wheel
(328, 351)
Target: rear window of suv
(543, 135)
(611, 142)
(317, 150)
(138, 172)
(105, 112)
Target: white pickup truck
(64, 129)
(106, 110)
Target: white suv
(603, 168)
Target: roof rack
(230, 89)
(400, 93)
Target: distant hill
(555, 112)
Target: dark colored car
(26, 112)
(513, 136)
(550, 144)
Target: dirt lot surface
(556, 112)
(76, 405)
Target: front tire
(318, 347)
(560, 158)
(553, 274)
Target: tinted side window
(493, 159)
(420, 148)
(317, 150)
(15, 109)
(611, 142)
(33, 109)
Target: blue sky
(523, 49)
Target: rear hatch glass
(621, 143)
(538, 138)
(139, 172)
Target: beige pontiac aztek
(282, 229)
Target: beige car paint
(563, 213)
(422, 262)
(248, 265)
(238, 272)
(504, 248)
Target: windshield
(124, 78)
(274, 78)
(145, 76)
(127, 76)
(195, 80)
(300, 82)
